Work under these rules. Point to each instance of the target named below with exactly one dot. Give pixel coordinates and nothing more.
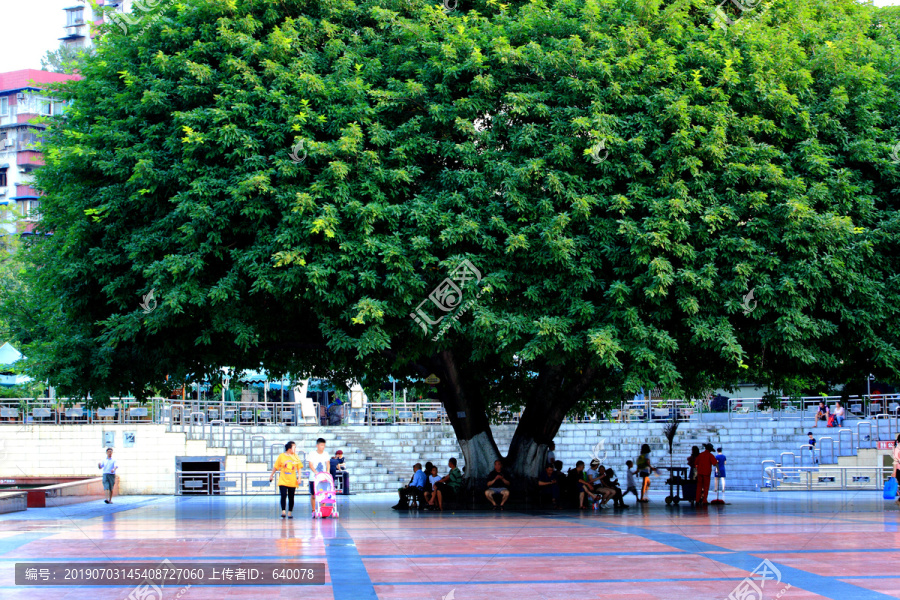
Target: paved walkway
(844, 546)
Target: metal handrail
(212, 434)
(844, 478)
(841, 433)
(223, 483)
(811, 451)
(243, 433)
(859, 435)
(832, 458)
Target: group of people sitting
(427, 490)
(584, 488)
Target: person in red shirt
(704, 465)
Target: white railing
(781, 477)
(195, 417)
(805, 408)
(400, 413)
(63, 411)
(224, 483)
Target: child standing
(720, 473)
(630, 484)
(812, 447)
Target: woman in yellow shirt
(288, 466)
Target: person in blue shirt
(415, 488)
(720, 471)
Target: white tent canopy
(9, 356)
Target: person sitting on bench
(497, 483)
(449, 485)
(415, 488)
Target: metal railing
(223, 483)
(779, 477)
(63, 411)
(400, 413)
(195, 417)
(236, 483)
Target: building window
(4, 106)
(45, 107)
(2, 177)
(29, 209)
(76, 17)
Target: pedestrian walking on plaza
(705, 463)
(319, 462)
(288, 466)
(108, 467)
(644, 469)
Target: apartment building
(22, 99)
(78, 21)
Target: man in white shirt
(319, 461)
(108, 467)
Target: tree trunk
(468, 416)
(552, 398)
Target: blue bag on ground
(890, 489)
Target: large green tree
(292, 179)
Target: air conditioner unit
(20, 96)
(8, 143)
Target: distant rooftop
(17, 80)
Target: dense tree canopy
(292, 179)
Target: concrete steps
(380, 458)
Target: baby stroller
(326, 501)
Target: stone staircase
(380, 458)
(745, 443)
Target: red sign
(885, 445)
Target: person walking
(319, 462)
(108, 467)
(288, 466)
(705, 464)
(644, 469)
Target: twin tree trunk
(552, 396)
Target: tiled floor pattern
(844, 546)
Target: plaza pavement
(841, 545)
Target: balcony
(29, 158)
(25, 191)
